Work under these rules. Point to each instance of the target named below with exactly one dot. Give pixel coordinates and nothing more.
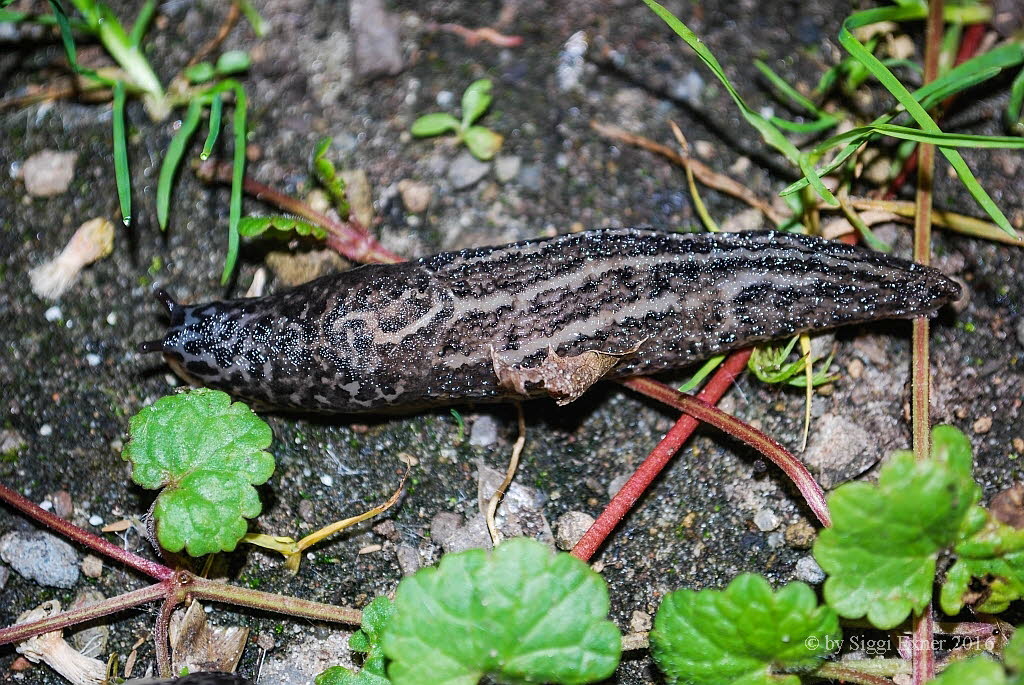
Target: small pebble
(484, 432)
(800, 535)
(408, 559)
(807, 570)
(766, 520)
(46, 430)
(48, 172)
(112, 319)
(52, 314)
(1020, 331)
(92, 566)
(466, 171)
(506, 167)
(41, 557)
(570, 527)
(416, 195)
(445, 98)
(531, 177)
(11, 442)
(640, 622)
(327, 480)
(96, 520)
(982, 425)
(46, 505)
(776, 540)
(93, 359)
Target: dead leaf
(564, 378)
(1008, 506)
(197, 646)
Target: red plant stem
(657, 460)
(350, 238)
(83, 537)
(923, 654)
(161, 635)
(66, 619)
(744, 432)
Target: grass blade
(912, 106)
(237, 174)
(175, 151)
(1013, 107)
(121, 174)
(216, 108)
(142, 23)
(259, 27)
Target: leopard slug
(492, 323)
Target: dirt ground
(70, 378)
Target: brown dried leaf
(197, 646)
(1008, 506)
(564, 378)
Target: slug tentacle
(433, 331)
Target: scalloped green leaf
(251, 226)
(744, 634)
(989, 570)
(979, 670)
(206, 453)
(434, 124)
(475, 101)
(519, 613)
(366, 640)
(881, 550)
(482, 142)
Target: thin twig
(704, 173)
(513, 464)
(207, 49)
(473, 37)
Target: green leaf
(142, 21)
(175, 153)
(251, 226)
(434, 124)
(216, 111)
(482, 142)
(989, 571)
(200, 73)
(519, 613)
(207, 454)
(366, 640)
(259, 27)
(232, 62)
(881, 550)
(475, 101)
(328, 177)
(122, 175)
(743, 634)
(979, 670)
(703, 372)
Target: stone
(766, 520)
(506, 167)
(807, 570)
(49, 172)
(378, 50)
(484, 432)
(41, 557)
(416, 195)
(465, 171)
(570, 527)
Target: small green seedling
(481, 141)
(517, 614)
(206, 454)
(770, 363)
(327, 176)
(366, 641)
(743, 634)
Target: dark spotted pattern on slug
(429, 331)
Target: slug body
(483, 324)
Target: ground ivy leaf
(881, 550)
(207, 454)
(519, 613)
(989, 570)
(979, 670)
(743, 634)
